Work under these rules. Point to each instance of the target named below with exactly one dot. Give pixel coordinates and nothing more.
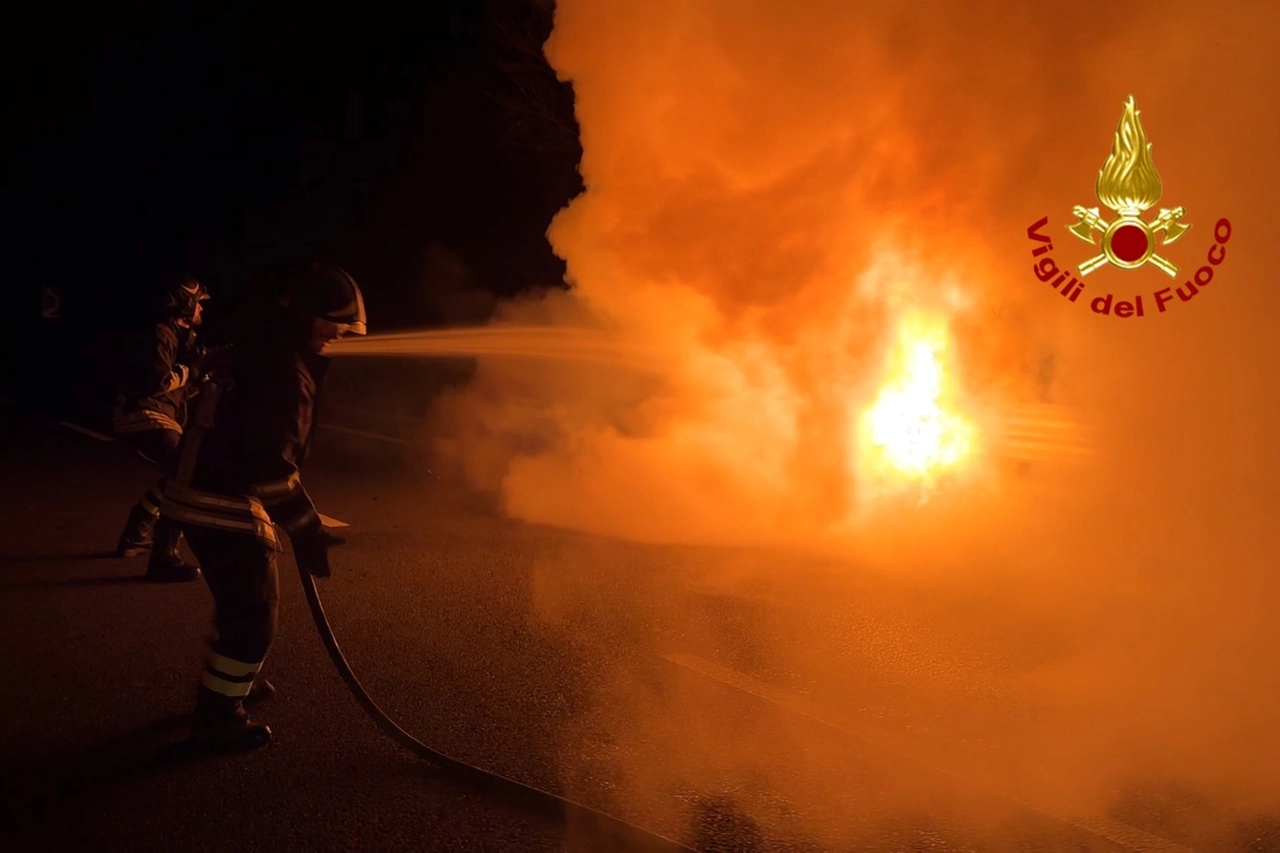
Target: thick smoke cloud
(771, 184)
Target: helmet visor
(342, 329)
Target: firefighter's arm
(297, 515)
(167, 374)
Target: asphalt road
(664, 685)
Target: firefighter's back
(262, 417)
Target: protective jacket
(238, 466)
(158, 381)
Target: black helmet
(330, 293)
(181, 299)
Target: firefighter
(237, 479)
(149, 415)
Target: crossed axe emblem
(1137, 238)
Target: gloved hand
(211, 359)
(311, 551)
(191, 356)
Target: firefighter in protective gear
(237, 479)
(149, 415)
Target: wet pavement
(668, 686)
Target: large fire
(909, 429)
(754, 210)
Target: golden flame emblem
(1128, 184)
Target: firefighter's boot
(220, 723)
(139, 531)
(166, 564)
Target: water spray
(520, 342)
(545, 342)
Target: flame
(1128, 181)
(909, 432)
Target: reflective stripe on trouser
(241, 573)
(240, 515)
(228, 676)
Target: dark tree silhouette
(536, 108)
(534, 121)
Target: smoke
(772, 185)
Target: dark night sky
(220, 136)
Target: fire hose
(622, 835)
(626, 836)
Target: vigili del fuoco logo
(1128, 186)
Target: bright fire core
(908, 430)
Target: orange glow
(810, 221)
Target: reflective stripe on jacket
(154, 389)
(244, 515)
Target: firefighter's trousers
(160, 447)
(242, 575)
